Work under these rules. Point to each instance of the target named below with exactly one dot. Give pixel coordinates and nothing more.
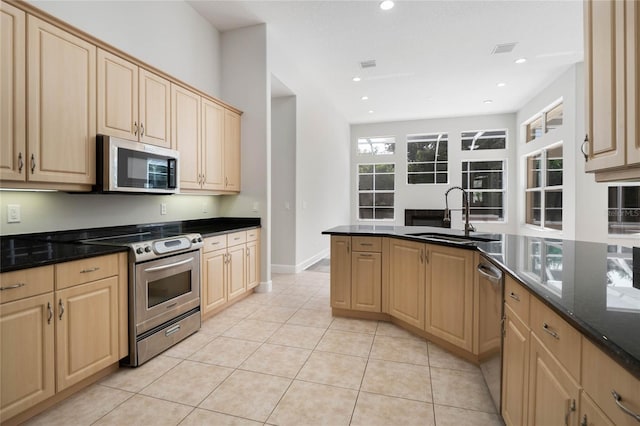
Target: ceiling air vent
(503, 48)
(368, 64)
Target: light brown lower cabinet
(230, 268)
(407, 274)
(366, 281)
(553, 394)
(591, 414)
(340, 272)
(53, 339)
(515, 369)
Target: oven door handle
(163, 267)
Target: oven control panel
(148, 250)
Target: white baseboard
(295, 269)
(264, 287)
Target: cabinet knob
(586, 142)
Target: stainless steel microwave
(128, 166)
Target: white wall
(169, 35)
(283, 182)
(585, 202)
(426, 196)
(245, 84)
(322, 162)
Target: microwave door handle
(172, 178)
(163, 267)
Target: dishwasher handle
(492, 274)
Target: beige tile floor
(280, 358)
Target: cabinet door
(407, 281)
(185, 130)
(154, 109)
(117, 96)
(212, 145)
(232, 150)
(449, 295)
(366, 281)
(62, 105)
(340, 272)
(214, 289)
(553, 394)
(633, 82)
(26, 353)
(515, 370)
(590, 414)
(605, 83)
(253, 264)
(237, 278)
(86, 330)
(13, 142)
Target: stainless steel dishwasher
(490, 289)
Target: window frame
(542, 115)
(435, 161)
(506, 140)
(543, 188)
(471, 190)
(374, 191)
(374, 154)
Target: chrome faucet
(465, 206)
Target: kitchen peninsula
(571, 310)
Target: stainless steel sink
(451, 238)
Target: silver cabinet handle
(548, 330)
(226, 181)
(365, 255)
(422, 256)
(366, 244)
(61, 307)
(618, 399)
(348, 247)
(163, 267)
(571, 407)
(33, 163)
(11, 287)
(141, 129)
(486, 272)
(20, 162)
(514, 296)
(584, 421)
(86, 271)
(135, 128)
(50, 312)
(586, 142)
(172, 330)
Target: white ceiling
(433, 57)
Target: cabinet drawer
(236, 238)
(215, 243)
(601, 376)
(25, 283)
(517, 298)
(77, 272)
(367, 244)
(253, 234)
(562, 340)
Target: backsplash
(56, 211)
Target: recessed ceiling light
(501, 84)
(370, 111)
(521, 60)
(487, 101)
(356, 79)
(364, 98)
(387, 4)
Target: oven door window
(167, 288)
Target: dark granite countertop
(47, 248)
(593, 286)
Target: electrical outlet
(255, 206)
(13, 213)
(163, 208)
(204, 208)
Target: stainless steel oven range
(164, 290)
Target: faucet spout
(466, 202)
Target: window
(546, 120)
(376, 184)
(624, 210)
(484, 139)
(377, 145)
(544, 188)
(427, 157)
(485, 182)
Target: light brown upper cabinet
(185, 128)
(13, 128)
(231, 151)
(133, 103)
(60, 121)
(612, 98)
